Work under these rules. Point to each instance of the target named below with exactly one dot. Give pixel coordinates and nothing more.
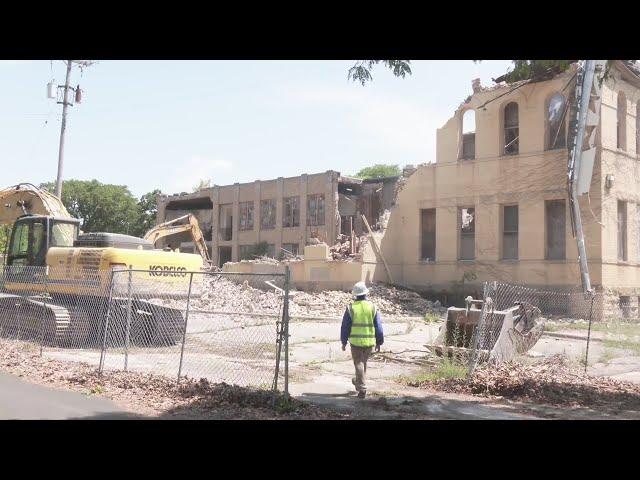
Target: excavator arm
(25, 198)
(174, 226)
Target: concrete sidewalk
(20, 400)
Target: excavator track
(61, 323)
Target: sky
(169, 124)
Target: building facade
(494, 205)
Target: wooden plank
(377, 249)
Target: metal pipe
(106, 324)
(127, 331)
(186, 323)
(285, 316)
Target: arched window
(469, 135)
(622, 121)
(556, 116)
(511, 130)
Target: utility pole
(65, 104)
(582, 155)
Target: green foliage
(527, 69)
(379, 170)
(147, 211)
(107, 208)
(444, 370)
(431, 317)
(361, 70)
(256, 250)
(5, 234)
(202, 183)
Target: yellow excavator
(57, 280)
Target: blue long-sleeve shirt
(345, 330)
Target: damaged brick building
(494, 205)
(284, 213)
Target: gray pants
(360, 355)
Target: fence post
(44, 307)
(128, 328)
(106, 324)
(586, 355)
(186, 322)
(285, 316)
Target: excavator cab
(33, 235)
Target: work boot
(362, 393)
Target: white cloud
(188, 173)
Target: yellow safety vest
(363, 333)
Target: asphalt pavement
(21, 400)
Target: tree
(147, 212)
(379, 170)
(202, 183)
(101, 207)
(361, 70)
(532, 69)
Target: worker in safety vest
(361, 326)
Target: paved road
(20, 400)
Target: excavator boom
(175, 226)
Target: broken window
(246, 215)
(622, 231)
(467, 218)
(271, 251)
(555, 225)
(291, 214)
(556, 116)
(511, 129)
(510, 232)
(624, 302)
(622, 121)
(268, 214)
(290, 249)
(246, 252)
(315, 210)
(226, 222)
(224, 255)
(469, 135)
(428, 233)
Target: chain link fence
(511, 319)
(224, 327)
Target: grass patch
(607, 356)
(622, 345)
(431, 318)
(615, 328)
(445, 370)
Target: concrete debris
(225, 294)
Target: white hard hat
(359, 289)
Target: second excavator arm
(175, 226)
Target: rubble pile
(388, 300)
(554, 381)
(223, 293)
